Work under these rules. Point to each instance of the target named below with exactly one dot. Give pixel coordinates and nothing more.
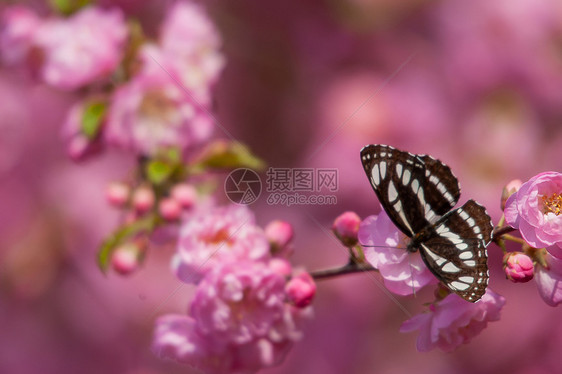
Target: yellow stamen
(552, 203)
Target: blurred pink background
(307, 84)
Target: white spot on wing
(435, 257)
(459, 286)
(450, 268)
(392, 193)
(398, 208)
(415, 185)
(375, 175)
(383, 169)
(466, 255)
(399, 170)
(462, 246)
(406, 177)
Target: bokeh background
(477, 84)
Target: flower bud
(301, 289)
(280, 234)
(117, 194)
(78, 147)
(143, 199)
(170, 209)
(346, 227)
(509, 189)
(184, 194)
(125, 258)
(518, 267)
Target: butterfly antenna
(380, 246)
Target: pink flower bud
(78, 147)
(117, 194)
(170, 209)
(301, 289)
(280, 234)
(184, 194)
(509, 189)
(346, 227)
(143, 199)
(280, 266)
(518, 267)
(125, 259)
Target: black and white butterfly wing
(454, 249)
(414, 190)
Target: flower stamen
(552, 203)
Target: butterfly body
(418, 193)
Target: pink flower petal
(549, 281)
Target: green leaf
(158, 171)
(229, 155)
(143, 225)
(92, 118)
(68, 7)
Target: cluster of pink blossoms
(451, 321)
(249, 301)
(165, 102)
(153, 99)
(245, 315)
(535, 209)
(68, 53)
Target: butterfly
(419, 192)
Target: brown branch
(355, 267)
(499, 231)
(350, 268)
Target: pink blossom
(152, 112)
(117, 194)
(19, 25)
(549, 280)
(189, 50)
(280, 266)
(184, 194)
(346, 227)
(509, 189)
(280, 235)
(143, 199)
(170, 209)
(214, 236)
(238, 322)
(518, 267)
(176, 337)
(536, 210)
(80, 49)
(454, 321)
(301, 289)
(385, 249)
(125, 259)
(190, 36)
